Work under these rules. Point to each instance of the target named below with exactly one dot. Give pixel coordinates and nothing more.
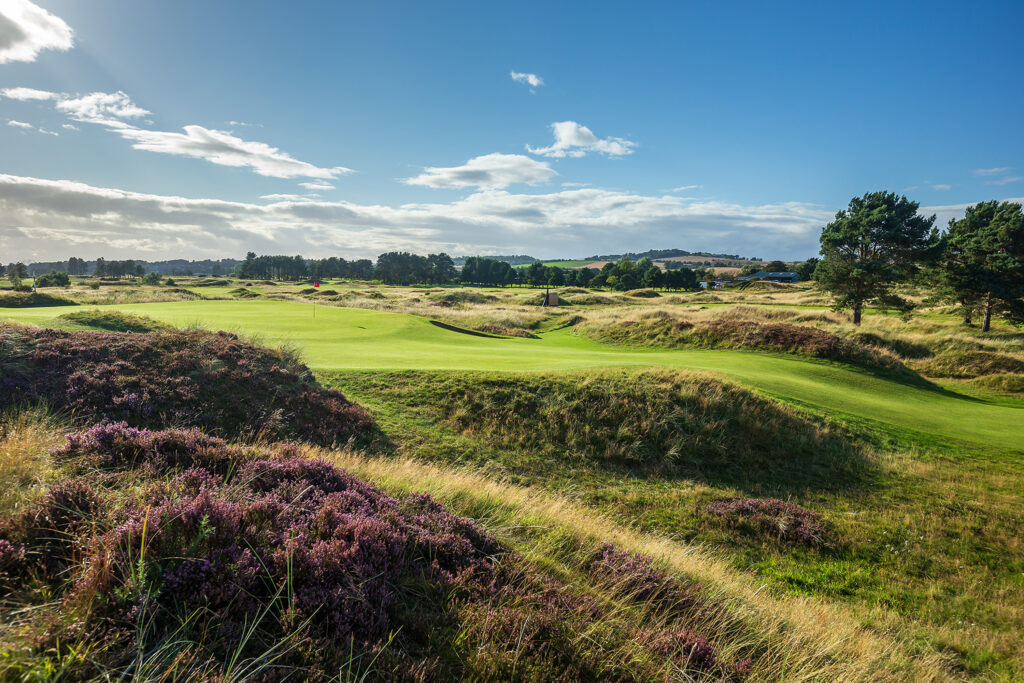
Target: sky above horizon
(206, 130)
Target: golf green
(351, 338)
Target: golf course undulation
(357, 339)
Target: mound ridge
(213, 381)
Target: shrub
(114, 321)
(230, 551)
(54, 279)
(774, 518)
(33, 300)
(643, 294)
(152, 278)
(191, 378)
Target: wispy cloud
(532, 80)
(1005, 181)
(26, 29)
(117, 113)
(574, 140)
(317, 185)
(991, 171)
(42, 218)
(490, 171)
(942, 187)
(28, 126)
(684, 188)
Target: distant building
(550, 299)
(773, 277)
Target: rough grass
(668, 423)
(33, 300)
(113, 321)
(663, 329)
(921, 542)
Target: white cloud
(29, 126)
(25, 94)
(317, 185)
(69, 126)
(532, 80)
(490, 171)
(288, 197)
(115, 110)
(574, 140)
(48, 219)
(684, 188)
(1004, 181)
(991, 171)
(104, 108)
(575, 184)
(942, 187)
(26, 29)
(244, 124)
(223, 148)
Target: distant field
(348, 339)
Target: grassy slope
(342, 338)
(929, 539)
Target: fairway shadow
(472, 333)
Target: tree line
(880, 241)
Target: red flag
(316, 283)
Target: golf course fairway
(359, 339)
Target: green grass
(358, 339)
(928, 541)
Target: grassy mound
(643, 294)
(462, 296)
(33, 300)
(968, 364)
(182, 378)
(137, 554)
(1008, 383)
(114, 321)
(652, 422)
(662, 329)
(210, 282)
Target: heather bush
(231, 552)
(776, 519)
(213, 381)
(967, 364)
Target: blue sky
(188, 129)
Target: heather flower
(784, 521)
(211, 381)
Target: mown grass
(929, 537)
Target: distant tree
(56, 278)
(982, 263)
(775, 267)
(598, 281)
(16, 272)
(442, 268)
(76, 266)
(556, 276)
(101, 267)
(654, 277)
(874, 244)
(536, 274)
(152, 278)
(806, 269)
